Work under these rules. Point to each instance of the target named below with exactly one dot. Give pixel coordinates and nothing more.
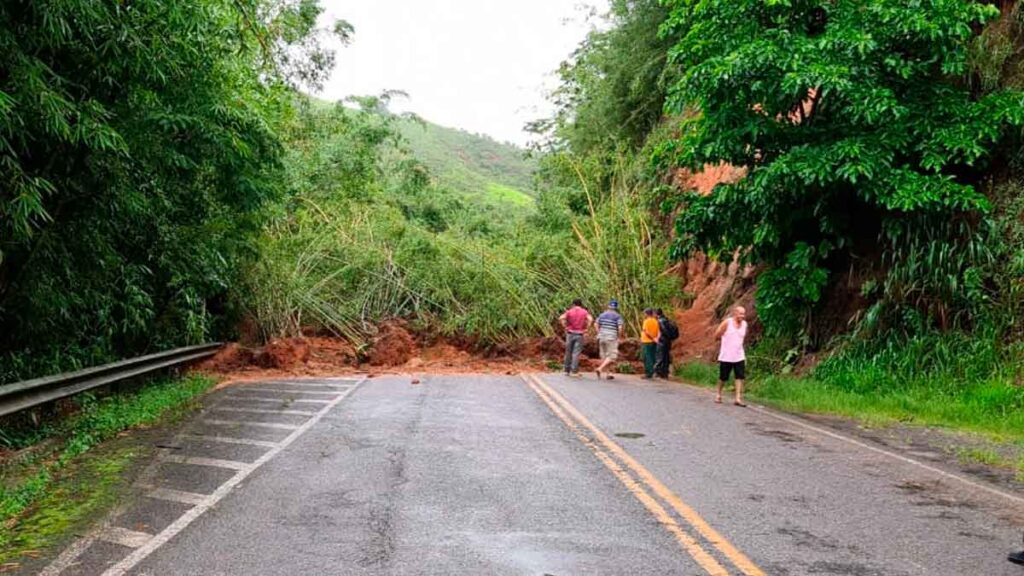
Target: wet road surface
(537, 475)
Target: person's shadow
(1017, 558)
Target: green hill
(472, 164)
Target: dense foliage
(855, 124)
(137, 143)
(882, 200)
(366, 234)
(477, 166)
(613, 86)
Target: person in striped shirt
(610, 327)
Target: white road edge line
(217, 422)
(179, 496)
(69, 556)
(200, 461)
(181, 523)
(230, 440)
(333, 386)
(904, 459)
(281, 400)
(262, 411)
(280, 391)
(124, 537)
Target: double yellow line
(628, 471)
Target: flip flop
(740, 404)
(718, 400)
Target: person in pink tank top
(731, 357)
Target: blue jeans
(573, 348)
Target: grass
(508, 195)
(985, 456)
(32, 510)
(989, 407)
(78, 493)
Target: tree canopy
(137, 141)
(852, 119)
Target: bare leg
(721, 385)
(739, 391)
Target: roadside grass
(985, 456)
(989, 407)
(85, 488)
(54, 487)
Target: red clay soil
(395, 351)
(716, 286)
(393, 346)
(712, 175)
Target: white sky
(479, 65)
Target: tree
(851, 118)
(137, 143)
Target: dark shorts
(738, 368)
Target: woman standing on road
(731, 357)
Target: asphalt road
(535, 476)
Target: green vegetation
(987, 407)
(30, 479)
(377, 240)
(856, 131)
(163, 176)
(475, 165)
(86, 488)
(882, 199)
(137, 145)
(505, 194)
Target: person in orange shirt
(649, 334)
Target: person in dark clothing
(668, 332)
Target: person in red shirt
(576, 321)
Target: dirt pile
(397, 350)
(231, 357)
(283, 354)
(393, 346)
(549, 347)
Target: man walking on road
(649, 334)
(609, 330)
(731, 357)
(668, 333)
(576, 321)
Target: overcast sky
(479, 65)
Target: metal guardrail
(31, 393)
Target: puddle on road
(630, 435)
